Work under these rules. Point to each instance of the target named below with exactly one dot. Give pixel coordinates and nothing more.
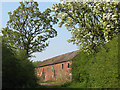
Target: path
(50, 84)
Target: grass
(65, 85)
(46, 86)
(56, 84)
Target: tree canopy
(90, 23)
(16, 72)
(28, 28)
(36, 63)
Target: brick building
(56, 68)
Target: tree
(28, 28)
(36, 63)
(16, 72)
(88, 22)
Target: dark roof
(58, 59)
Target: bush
(16, 72)
(66, 84)
(103, 70)
(99, 69)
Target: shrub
(99, 69)
(16, 72)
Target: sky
(57, 45)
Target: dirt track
(50, 84)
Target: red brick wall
(60, 74)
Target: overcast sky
(57, 45)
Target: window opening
(68, 65)
(52, 68)
(47, 68)
(62, 66)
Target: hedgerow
(97, 70)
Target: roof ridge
(58, 58)
(62, 54)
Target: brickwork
(60, 71)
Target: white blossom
(114, 16)
(108, 26)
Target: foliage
(28, 28)
(36, 63)
(79, 66)
(97, 70)
(66, 84)
(16, 72)
(104, 70)
(73, 84)
(90, 23)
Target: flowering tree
(90, 23)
